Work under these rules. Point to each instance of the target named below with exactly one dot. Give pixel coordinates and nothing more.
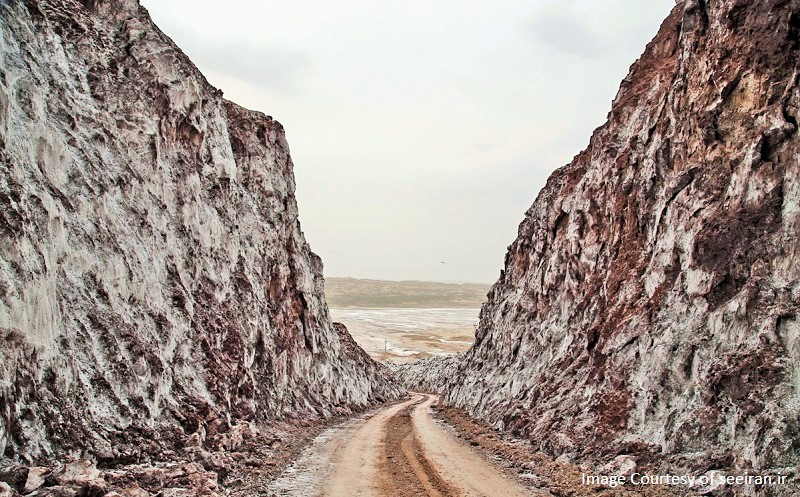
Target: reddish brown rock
(649, 306)
(155, 284)
(35, 479)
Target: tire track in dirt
(404, 469)
(459, 464)
(397, 451)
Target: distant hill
(352, 292)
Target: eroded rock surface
(157, 295)
(431, 374)
(649, 305)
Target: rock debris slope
(649, 305)
(154, 281)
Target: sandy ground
(406, 335)
(539, 472)
(399, 451)
(459, 463)
(321, 469)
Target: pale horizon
(488, 283)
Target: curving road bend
(399, 451)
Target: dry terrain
(417, 448)
(352, 292)
(406, 335)
(400, 451)
(403, 321)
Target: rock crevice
(649, 303)
(154, 280)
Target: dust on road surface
(400, 451)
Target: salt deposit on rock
(155, 286)
(649, 306)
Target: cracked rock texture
(155, 287)
(430, 374)
(649, 305)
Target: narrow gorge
(164, 329)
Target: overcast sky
(420, 131)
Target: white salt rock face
(152, 267)
(678, 334)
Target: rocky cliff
(649, 305)
(429, 374)
(155, 286)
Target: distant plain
(404, 321)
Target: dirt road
(399, 451)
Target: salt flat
(400, 335)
